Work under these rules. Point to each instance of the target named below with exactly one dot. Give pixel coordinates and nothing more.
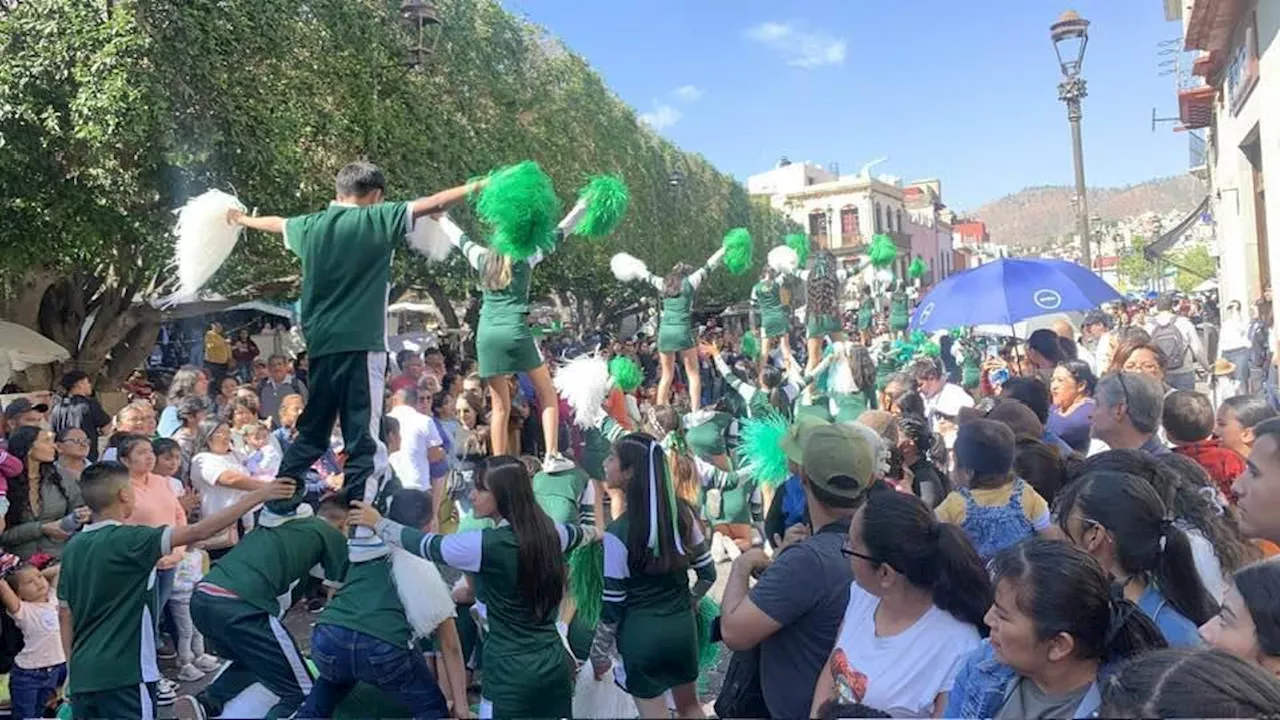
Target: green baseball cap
(793, 443)
(841, 459)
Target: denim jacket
(984, 684)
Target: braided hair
(824, 285)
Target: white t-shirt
(417, 435)
(949, 401)
(206, 467)
(903, 674)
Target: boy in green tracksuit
(239, 603)
(346, 252)
(108, 593)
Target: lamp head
(1070, 36)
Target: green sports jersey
(562, 496)
(511, 303)
(368, 602)
(346, 253)
(677, 312)
(108, 582)
(706, 432)
(269, 561)
(658, 594)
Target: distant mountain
(1037, 215)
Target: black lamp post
(420, 18)
(1070, 36)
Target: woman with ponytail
(1121, 521)
(915, 609)
(520, 570)
(822, 306)
(1249, 624)
(775, 316)
(1056, 627)
(648, 614)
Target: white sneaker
(718, 554)
(189, 673)
(556, 463)
(166, 691)
(207, 663)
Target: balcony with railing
(1195, 101)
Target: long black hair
(900, 531)
(642, 455)
(540, 565)
(1183, 683)
(771, 380)
(1259, 587)
(1147, 542)
(1064, 590)
(20, 443)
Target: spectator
(191, 412)
(40, 520)
(226, 394)
(73, 452)
(1181, 683)
(1258, 489)
(1034, 394)
(278, 383)
(420, 443)
(1097, 342)
(1178, 340)
(1071, 417)
(287, 429)
(1248, 625)
(22, 412)
(794, 612)
(187, 382)
(244, 351)
(943, 400)
(918, 598)
(411, 369)
(1129, 412)
(217, 353)
(1237, 417)
(79, 409)
(138, 417)
(300, 366)
(1188, 423)
(1145, 358)
(1233, 342)
(1044, 351)
(220, 479)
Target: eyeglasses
(76, 441)
(850, 552)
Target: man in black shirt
(78, 408)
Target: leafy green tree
(113, 113)
(1193, 266)
(1137, 271)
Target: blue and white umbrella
(1008, 291)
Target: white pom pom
(628, 268)
(423, 593)
(429, 239)
(584, 383)
(205, 240)
(783, 259)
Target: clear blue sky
(965, 91)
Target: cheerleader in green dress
(504, 342)
(520, 572)
(899, 318)
(769, 397)
(648, 611)
(822, 306)
(850, 381)
(775, 317)
(866, 315)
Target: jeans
(344, 657)
(30, 690)
(1181, 380)
(1240, 358)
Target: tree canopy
(112, 114)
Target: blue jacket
(984, 685)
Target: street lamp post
(1070, 36)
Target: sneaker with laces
(189, 673)
(555, 462)
(207, 663)
(186, 707)
(166, 691)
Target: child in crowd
(996, 509)
(193, 662)
(40, 667)
(1188, 423)
(169, 465)
(262, 456)
(108, 594)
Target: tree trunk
(438, 296)
(22, 304)
(131, 353)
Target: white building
(839, 212)
(1230, 97)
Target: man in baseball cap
(23, 413)
(794, 612)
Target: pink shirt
(41, 633)
(155, 505)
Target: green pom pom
(586, 581)
(708, 652)
(800, 243)
(607, 199)
(917, 269)
(737, 251)
(760, 447)
(883, 251)
(520, 207)
(626, 374)
(750, 346)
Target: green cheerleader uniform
(706, 432)
(528, 671)
(899, 319)
(737, 505)
(675, 327)
(504, 342)
(656, 629)
(757, 400)
(565, 496)
(822, 325)
(774, 319)
(598, 443)
(866, 315)
(849, 406)
(970, 373)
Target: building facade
(1229, 100)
